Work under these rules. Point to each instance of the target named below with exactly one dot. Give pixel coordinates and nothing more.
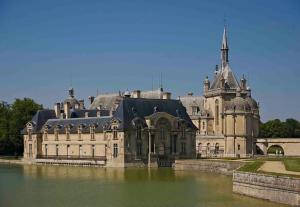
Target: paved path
(276, 167)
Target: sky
(106, 46)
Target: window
(56, 150)
(152, 143)
(183, 132)
(115, 133)
(162, 133)
(174, 144)
(68, 150)
(80, 150)
(93, 151)
(183, 150)
(208, 148)
(45, 135)
(115, 152)
(92, 132)
(46, 150)
(199, 148)
(139, 149)
(194, 110)
(139, 132)
(29, 134)
(239, 146)
(217, 112)
(68, 134)
(203, 125)
(217, 148)
(30, 150)
(56, 134)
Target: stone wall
(279, 189)
(217, 166)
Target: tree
(276, 128)
(12, 120)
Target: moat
(37, 185)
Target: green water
(54, 186)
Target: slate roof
(99, 122)
(131, 108)
(230, 79)
(39, 119)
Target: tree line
(13, 119)
(290, 128)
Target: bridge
(283, 146)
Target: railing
(72, 157)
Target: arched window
(217, 112)
(199, 148)
(217, 148)
(115, 133)
(208, 148)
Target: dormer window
(45, 134)
(29, 131)
(56, 133)
(115, 133)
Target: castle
(148, 128)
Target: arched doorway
(275, 150)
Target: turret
(243, 83)
(206, 84)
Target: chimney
(91, 98)
(136, 94)
(166, 95)
(57, 110)
(67, 110)
(81, 104)
(190, 93)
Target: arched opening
(217, 147)
(275, 150)
(208, 148)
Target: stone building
(227, 117)
(117, 130)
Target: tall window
(217, 111)
(56, 133)
(115, 152)
(45, 134)
(139, 149)
(199, 148)
(92, 132)
(68, 134)
(80, 150)
(29, 134)
(175, 144)
(30, 150)
(217, 148)
(46, 150)
(139, 132)
(93, 150)
(162, 133)
(56, 150)
(115, 133)
(208, 148)
(183, 150)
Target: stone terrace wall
(279, 189)
(217, 166)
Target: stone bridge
(285, 146)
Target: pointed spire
(224, 41)
(224, 50)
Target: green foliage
(12, 120)
(251, 166)
(276, 128)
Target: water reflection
(45, 185)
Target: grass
(251, 166)
(292, 164)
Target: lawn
(292, 164)
(251, 166)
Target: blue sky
(114, 45)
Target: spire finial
(224, 50)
